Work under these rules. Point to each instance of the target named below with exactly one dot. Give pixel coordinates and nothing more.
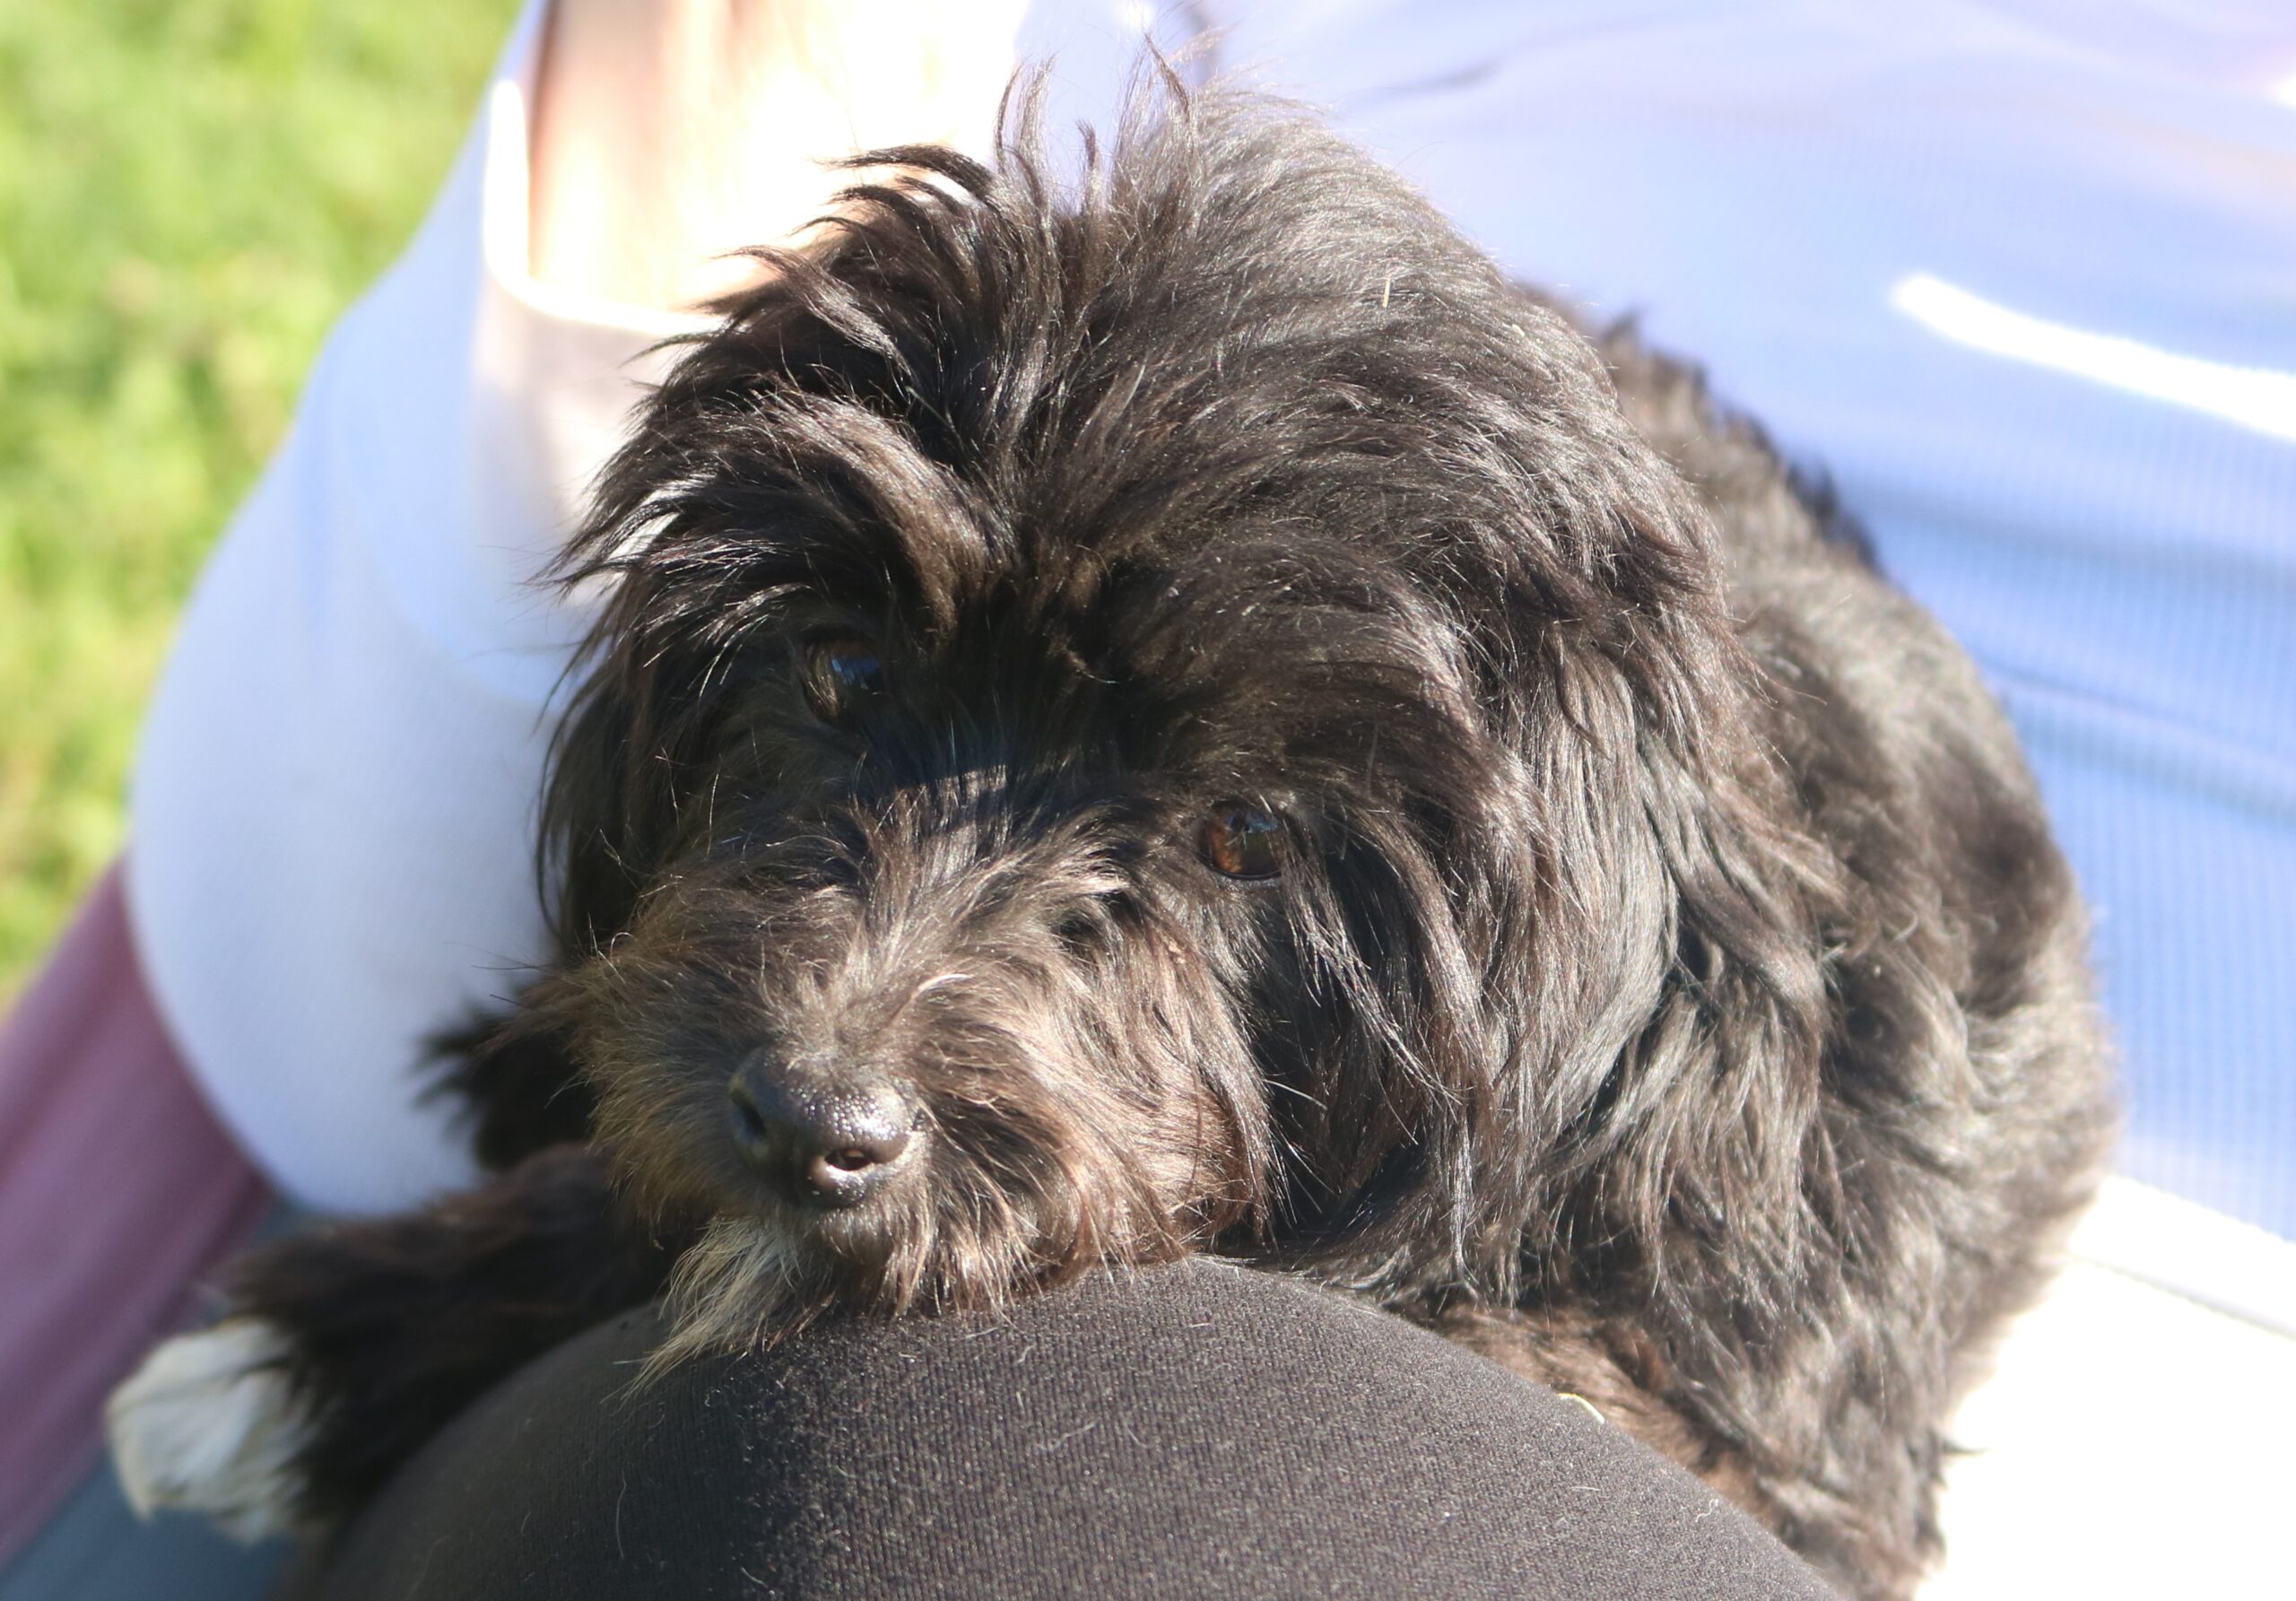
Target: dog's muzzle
(821, 1146)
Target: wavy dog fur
(1665, 982)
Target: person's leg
(1199, 1430)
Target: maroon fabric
(117, 1187)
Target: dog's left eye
(842, 676)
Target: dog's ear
(1674, 926)
(1693, 1149)
(1636, 937)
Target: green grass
(190, 192)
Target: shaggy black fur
(1241, 730)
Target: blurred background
(190, 192)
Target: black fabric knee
(1195, 1430)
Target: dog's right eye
(1238, 841)
(842, 676)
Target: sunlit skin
(668, 134)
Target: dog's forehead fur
(1239, 421)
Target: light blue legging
(96, 1549)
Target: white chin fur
(211, 1423)
(728, 1292)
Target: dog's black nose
(824, 1145)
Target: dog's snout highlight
(820, 1145)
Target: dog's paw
(211, 1423)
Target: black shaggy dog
(1189, 714)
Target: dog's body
(1196, 717)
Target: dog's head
(1166, 711)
